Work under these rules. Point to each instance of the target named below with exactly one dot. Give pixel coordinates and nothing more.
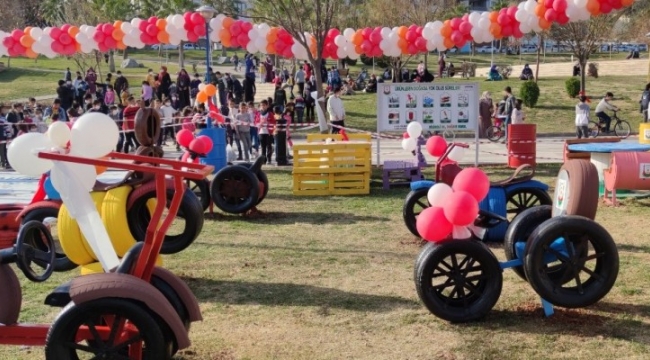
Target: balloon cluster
(197, 147)
(453, 208)
(479, 27)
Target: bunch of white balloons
(345, 46)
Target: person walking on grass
(582, 118)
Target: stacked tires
(237, 189)
(568, 259)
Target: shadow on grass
(555, 107)
(529, 318)
(357, 115)
(285, 294)
(634, 248)
(291, 218)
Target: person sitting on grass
(494, 75)
(526, 73)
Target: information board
(437, 106)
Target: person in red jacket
(266, 124)
(128, 125)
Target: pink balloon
(436, 145)
(207, 141)
(143, 26)
(332, 33)
(551, 15)
(65, 39)
(98, 37)
(198, 146)
(411, 35)
(18, 49)
(366, 33)
(198, 29)
(246, 26)
(512, 11)
(560, 5)
(507, 31)
(419, 30)
(455, 23)
(152, 30)
(517, 32)
(188, 18)
(366, 46)
(457, 37)
(110, 43)
(55, 33)
(474, 181)
(465, 28)
(235, 28)
(108, 29)
(421, 44)
(152, 20)
(503, 19)
(432, 224)
(461, 208)
(184, 137)
(412, 49)
(70, 49)
(548, 3)
(197, 19)
(8, 42)
(406, 135)
(57, 47)
(562, 19)
(243, 39)
(375, 37)
(605, 8)
(192, 37)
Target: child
(167, 116)
(147, 93)
(41, 127)
(518, 115)
(186, 122)
(231, 128)
(300, 108)
(243, 128)
(109, 97)
(582, 118)
(124, 96)
(266, 124)
(255, 138)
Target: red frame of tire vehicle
(123, 297)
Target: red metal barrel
(522, 145)
(628, 171)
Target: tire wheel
(576, 190)
(61, 263)
(261, 176)
(99, 316)
(520, 229)
(177, 303)
(458, 280)
(524, 198)
(622, 129)
(190, 211)
(415, 202)
(235, 189)
(593, 129)
(494, 133)
(200, 188)
(588, 255)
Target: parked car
(165, 47)
(528, 48)
(486, 50)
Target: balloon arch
(479, 27)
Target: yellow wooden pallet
(331, 169)
(311, 138)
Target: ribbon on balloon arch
(479, 27)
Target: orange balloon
(544, 24)
(593, 6)
(448, 43)
(446, 31)
(495, 30)
(163, 37)
(270, 49)
(272, 37)
(73, 31)
(121, 45)
(210, 90)
(358, 49)
(357, 38)
(227, 22)
(117, 24)
(202, 97)
(227, 42)
(30, 53)
(403, 44)
(494, 16)
(401, 31)
(161, 24)
(627, 2)
(447, 23)
(28, 30)
(26, 41)
(77, 46)
(540, 10)
(117, 34)
(101, 169)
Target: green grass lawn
(332, 278)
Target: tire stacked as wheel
(236, 189)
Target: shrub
(529, 93)
(381, 62)
(572, 87)
(350, 62)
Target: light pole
(217, 156)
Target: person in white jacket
(336, 110)
(582, 118)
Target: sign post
(436, 106)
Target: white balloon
(353, 55)
(474, 18)
(59, 133)
(23, 154)
(85, 174)
(339, 40)
(580, 3)
(437, 25)
(348, 33)
(461, 232)
(484, 24)
(251, 48)
(221, 17)
(126, 27)
(521, 15)
(93, 135)
(36, 33)
(47, 30)
(430, 45)
(414, 129)
(532, 4)
(409, 144)
(178, 21)
(428, 33)
(340, 52)
(457, 154)
(385, 31)
(265, 28)
(202, 86)
(438, 194)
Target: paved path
(635, 67)
(15, 188)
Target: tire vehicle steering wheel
(488, 219)
(35, 244)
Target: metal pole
(207, 65)
(492, 48)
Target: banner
(436, 106)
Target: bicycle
(495, 132)
(621, 127)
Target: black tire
(261, 176)
(593, 129)
(61, 338)
(200, 188)
(592, 252)
(494, 133)
(235, 189)
(520, 229)
(415, 202)
(190, 210)
(468, 261)
(61, 263)
(521, 199)
(177, 303)
(622, 129)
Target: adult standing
(165, 81)
(183, 82)
(91, 80)
(250, 65)
(441, 64)
(121, 84)
(336, 110)
(68, 75)
(645, 102)
(307, 69)
(485, 111)
(249, 88)
(194, 88)
(221, 89)
(310, 102)
(510, 107)
(14, 117)
(300, 80)
(66, 94)
(279, 97)
(268, 67)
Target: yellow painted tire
(115, 219)
(96, 267)
(72, 241)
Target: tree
(583, 38)
(298, 17)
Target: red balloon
(551, 15)
(474, 181)
(512, 11)
(455, 23)
(432, 224)
(201, 29)
(421, 44)
(457, 37)
(243, 39)
(55, 33)
(143, 26)
(192, 37)
(57, 47)
(18, 49)
(560, 5)
(152, 30)
(507, 31)
(411, 35)
(436, 145)
(465, 28)
(8, 42)
(503, 19)
(184, 137)
(412, 49)
(366, 33)
(188, 18)
(332, 33)
(198, 146)
(461, 208)
(517, 32)
(418, 30)
(246, 26)
(562, 19)
(65, 39)
(110, 43)
(152, 20)
(406, 135)
(207, 142)
(366, 46)
(375, 37)
(605, 8)
(197, 19)
(235, 28)
(548, 3)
